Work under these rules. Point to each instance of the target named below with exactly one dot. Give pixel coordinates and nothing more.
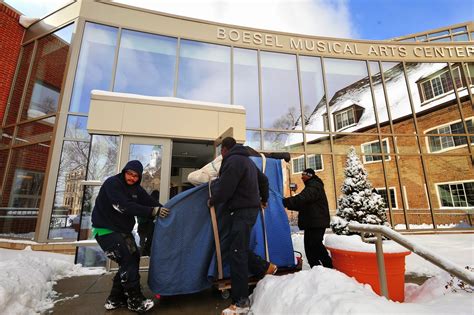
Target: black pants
(145, 231)
(316, 253)
(122, 249)
(242, 259)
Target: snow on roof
(26, 21)
(359, 94)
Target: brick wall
(11, 35)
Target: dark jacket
(241, 184)
(311, 204)
(118, 203)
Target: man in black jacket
(313, 217)
(120, 199)
(243, 188)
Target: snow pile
(327, 291)
(27, 279)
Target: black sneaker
(139, 305)
(112, 303)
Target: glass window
(246, 84)
(204, 72)
(94, 68)
(103, 159)
(76, 127)
(441, 33)
(440, 84)
(280, 94)
(461, 38)
(298, 164)
(20, 83)
(456, 195)
(253, 139)
(282, 141)
(374, 147)
(315, 162)
(314, 106)
(24, 180)
(438, 143)
(346, 87)
(459, 29)
(146, 64)
(35, 131)
(47, 74)
(69, 190)
(344, 118)
(383, 193)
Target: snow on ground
(27, 279)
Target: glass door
(155, 155)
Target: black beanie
(309, 171)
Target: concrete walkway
(93, 290)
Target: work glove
(284, 202)
(162, 212)
(263, 204)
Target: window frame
(429, 135)
(436, 78)
(341, 112)
(364, 154)
(440, 202)
(305, 164)
(394, 199)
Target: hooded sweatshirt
(118, 203)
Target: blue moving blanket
(183, 258)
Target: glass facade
(409, 122)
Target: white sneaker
(234, 310)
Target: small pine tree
(359, 202)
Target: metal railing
(433, 258)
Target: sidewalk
(93, 290)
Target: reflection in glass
(69, 191)
(146, 64)
(398, 98)
(25, 178)
(380, 103)
(246, 84)
(204, 72)
(253, 139)
(350, 98)
(47, 74)
(151, 157)
(314, 106)
(282, 141)
(94, 68)
(103, 159)
(88, 256)
(280, 94)
(36, 131)
(76, 127)
(20, 82)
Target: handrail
(435, 259)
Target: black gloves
(285, 202)
(162, 212)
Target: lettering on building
(342, 48)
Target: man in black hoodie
(243, 189)
(313, 217)
(120, 199)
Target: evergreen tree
(359, 202)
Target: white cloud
(313, 17)
(36, 9)
(331, 18)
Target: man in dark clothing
(242, 189)
(120, 199)
(313, 217)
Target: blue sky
(358, 19)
